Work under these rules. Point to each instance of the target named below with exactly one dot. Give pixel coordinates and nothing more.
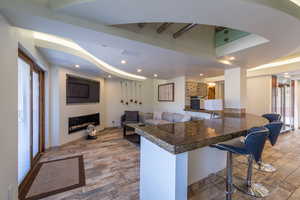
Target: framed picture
(166, 92)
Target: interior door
(285, 102)
(30, 122)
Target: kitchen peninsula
(174, 156)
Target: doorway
(30, 116)
(284, 100)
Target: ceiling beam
(163, 27)
(59, 4)
(183, 30)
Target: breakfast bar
(174, 156)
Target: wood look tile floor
(112, 170)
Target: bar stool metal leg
(252, 189)
(229, 184)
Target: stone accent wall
(195, 89)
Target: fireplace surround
(81, 122)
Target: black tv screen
(81, 90)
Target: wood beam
(163, 27)
(183, 30)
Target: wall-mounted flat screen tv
(81, 90)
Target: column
(163, 175)
(235, 87)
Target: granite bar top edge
(166, 146)
(176, 143)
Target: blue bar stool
(272, 117)
(252, 146)
(274, 129)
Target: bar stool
(253, 148)
(272, 117)
(274, 129)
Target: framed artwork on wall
(166, 92)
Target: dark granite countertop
(187, 136)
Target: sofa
(158, 118)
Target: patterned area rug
(56, 176)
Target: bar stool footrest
(256, 189)
(264, 167)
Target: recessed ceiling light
(77, 66)
(139, 70)
(226, 62)
(201, 74)
(155, 75)
(297, 2)
(109, 76)
(123, 61)
(286, 73)
(231, 58)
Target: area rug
(56, 176)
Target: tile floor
(112, 170)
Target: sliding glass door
(283, 101)
(30, 115)
(24, 120)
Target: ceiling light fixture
(286, 73)
(77, 66)
(211, 84)
(109, 76)
(226, 62)
(276, 64)
(201, 74)
(123, 61)
(155, 75)
(231, 58)
(139, 70)
(297, 2)
(41, 38)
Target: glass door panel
(24, 120)
(30, 117)
(35, 114)
(285, 101)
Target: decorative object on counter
(122, 93)
(166, 92)
(92, 132)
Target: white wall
(60, 111)
(259, 95)
(8, 109)
(178, 105)
(234, 88)
(114, 109)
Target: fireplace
(81, 122)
